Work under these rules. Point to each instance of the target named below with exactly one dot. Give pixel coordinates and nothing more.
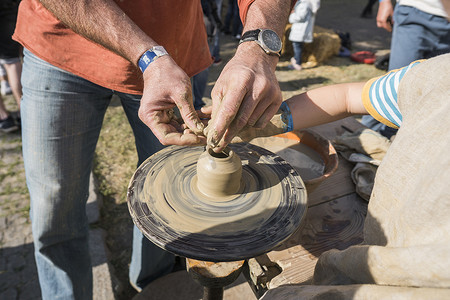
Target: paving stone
(102, 278)
(10, 293)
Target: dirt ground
(115, 162)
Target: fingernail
(200, 126)
(211, 141)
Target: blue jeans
(297, 47)
(199, 83)
(232, 18)
(62, 115)
(417, 35)
(215, 52)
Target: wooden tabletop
(334, 220)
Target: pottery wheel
(166, 205)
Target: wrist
(267, 39)
(286, 117)
(150, 56)
(252, 53)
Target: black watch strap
(251, 35)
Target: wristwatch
(150, 56)
(267, 39)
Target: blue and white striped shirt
(380, 96)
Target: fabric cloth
(407, 229)
(366, 148)
(243, 8)
(302, 19)
(363, 176)
(216, 43)
(420, 31)
(406, 248)
(62, 116)
(9, 49)
(432, 7)
(297, 47)
(46, 37)
(364, 141)
(380, 96)
(417, 35)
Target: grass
(14, 197)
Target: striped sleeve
(379, 96)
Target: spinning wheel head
(172, 209)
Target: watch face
(271, 40)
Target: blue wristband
(150, 56)
(286, 117)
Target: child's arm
(315, 107)
(326, 104)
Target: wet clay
(305, 160)
(167, 205)
(219, 174)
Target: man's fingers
(190, 117)
(225, 112)
(167, 135)
(169, 132)
(206, 111)
(267, 115)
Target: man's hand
(385, 15)
(165, 86)
(247, 93)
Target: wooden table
(334, 219)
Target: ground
(115, 159)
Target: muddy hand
(246, 94)
(167, 86)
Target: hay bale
(326, 44)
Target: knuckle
(240, 122)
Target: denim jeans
(215, 51)
(297, 47)
(417, 35)
(62, 115)
(199, 83)
(232, 18)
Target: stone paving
(18, 274)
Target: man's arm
(103, 22)
(247, 91)
(165, 84)
(385, 15)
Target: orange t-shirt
(243, 8)
(176, 25)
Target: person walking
(302, 19)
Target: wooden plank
(340, 183)
(180, 286)
(337, 185)
(336, 224)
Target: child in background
(4, 84)
(302, 19)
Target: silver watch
(267, 39)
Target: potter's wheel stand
(240, 217)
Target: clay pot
(219, 174)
